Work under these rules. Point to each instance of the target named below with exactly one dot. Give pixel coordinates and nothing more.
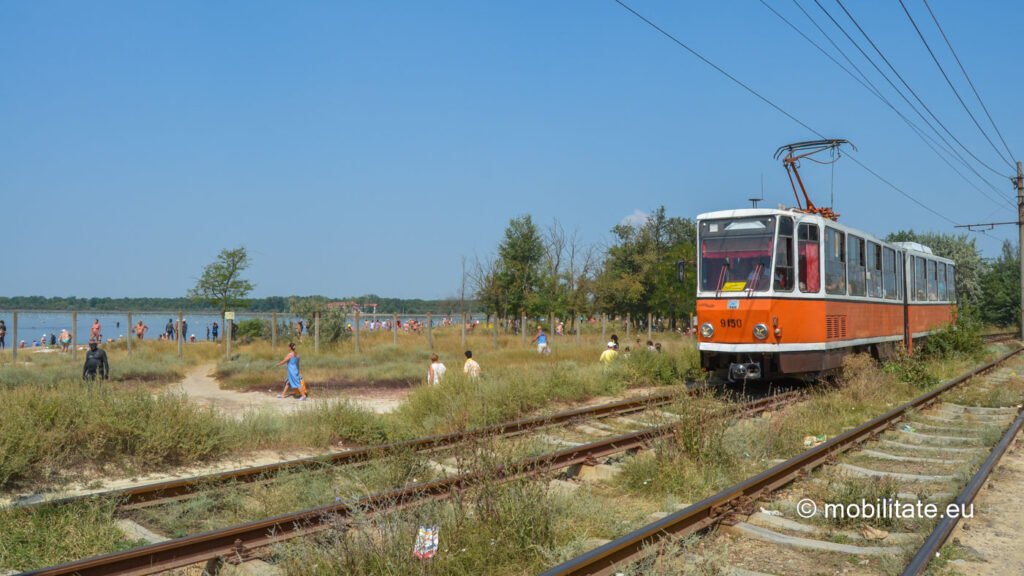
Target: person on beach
(435, 371)
(471, 368)
(140, 330)
(294, 384)
(184, 329)
(3, 335)
(214, 331)
(95, 363)
(65, 340)
(95, 332)
(169, 330)
(541, 338)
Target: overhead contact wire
(951, 86)
(778, 108)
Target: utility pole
(1018, 184)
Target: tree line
(551, 273)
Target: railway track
(935, 434)
(239, 542)
(1000, 337)
(159, 493)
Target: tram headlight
(707, 330)
(760, 331)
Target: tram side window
(901, 272)
(889, 274)
(951, 283)
(920, 281)
(783, 279)
(835, 261)
(809, 247)
(940, 272)
(932, 292)
(874, 270)
(855, 253)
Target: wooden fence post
(629, 324)
(227, 338)
(316, 332)
(604, 327)
(576, 322)
(14, 332)
(522, 327)
(394, 329)
(463, 330)
(129, 333)
(358, 349)
(181, 336)
(74, 335)
(649, 318)
(430, 330)
(273, 331)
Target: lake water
(32, 325)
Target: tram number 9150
(731, 323)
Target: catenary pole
(1019, 184)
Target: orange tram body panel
(782, 292)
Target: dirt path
(202, 387)
(992, 538)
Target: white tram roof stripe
(804, 217)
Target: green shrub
(960, 338)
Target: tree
(1000, 287)
(222, 284)
(639, 274)
(958, 248)
(519, 259)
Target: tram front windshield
(736, 254)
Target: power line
(911, 90)
(764, 99)
(949, 147)
(964, 70)
(951, 86)
(869, 86)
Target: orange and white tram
(784, 292)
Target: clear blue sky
(360, 147)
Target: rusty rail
(156, 493)
(944, 528)
(630, 547)
(238, 541)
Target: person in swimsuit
(3, 335)
(65, 340)
(140, 330)
(294, 385)
(95, 334)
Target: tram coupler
(741, 371)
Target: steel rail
(238, 541)
(159, 492)
(604, 559)
(944, 528)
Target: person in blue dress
(294, 384)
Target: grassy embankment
(520, 527)
(52, 423)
